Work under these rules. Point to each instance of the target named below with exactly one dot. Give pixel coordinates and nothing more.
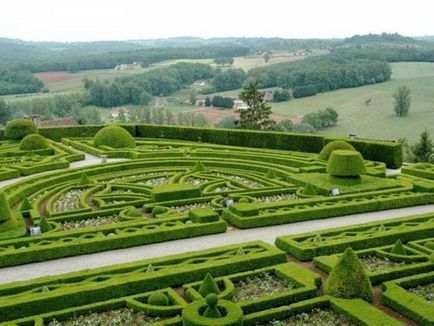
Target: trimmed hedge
(406, 303)
(115, 137)
(343, 163)
(57, 133)
(309, 245)
(20, 128)
(112, 282)
(33, 141)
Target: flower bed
(375, 264)
(68, 201)
(324, 317)
(91, 222)
(275, 198)
(425, 291)
(264, 284)
(118, 317)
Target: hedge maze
(188, 182)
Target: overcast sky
(88, 20)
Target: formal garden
(183, 182)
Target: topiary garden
(171, 186)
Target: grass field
(376, 120)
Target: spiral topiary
(346, 164)
(20, 128)
(33, 142)
(332, 146)
(158, 299)
(114, 136)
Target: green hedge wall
(387, 152)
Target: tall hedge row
(387, 152)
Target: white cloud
(87, 20)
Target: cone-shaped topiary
(240, 252)
(208, 286)
(20, 128)
(212, 311)
(33, 142)
(270, 174)
(382, 228)
(44, 225)
(26, 205)
(346, 164)
(84, 180)
(134, 213)
(158, 299)
(199, 167)
(332, 146)
(150, 269)
(114, 136)
(348, 279)
(398, 248)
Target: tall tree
(402, 101)
(423, 150)
(257, 116)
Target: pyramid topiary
(382, 228)
(44, 225)
(199, 167)
(240, 252)
(212, 311)
(332, 146)
(348, 279)
(346, 164)
(84, 180)
(208, 286)
(26, 205)
(33, 141)
(150, 269)
(158, 299)
(115, 137)
(398, 248)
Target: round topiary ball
(243, 200)
(158, 299)
(134, 213)
(332, 146)
(33, 141)
(346, 164)
(20, 128)
(114, 136)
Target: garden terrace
(131, 288)
(15, 162)
(153, 197)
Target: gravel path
(89, 160)
(267, 234)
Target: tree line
(112, 59)
(321, 74)
(139, 88)
(22, 82)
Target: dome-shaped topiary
(134, 213)
(346, 164)
(157, 210)
(348, 279)
(20, 128)
(158, 299)
(33, 141)
(114, 136)
(332, 146)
